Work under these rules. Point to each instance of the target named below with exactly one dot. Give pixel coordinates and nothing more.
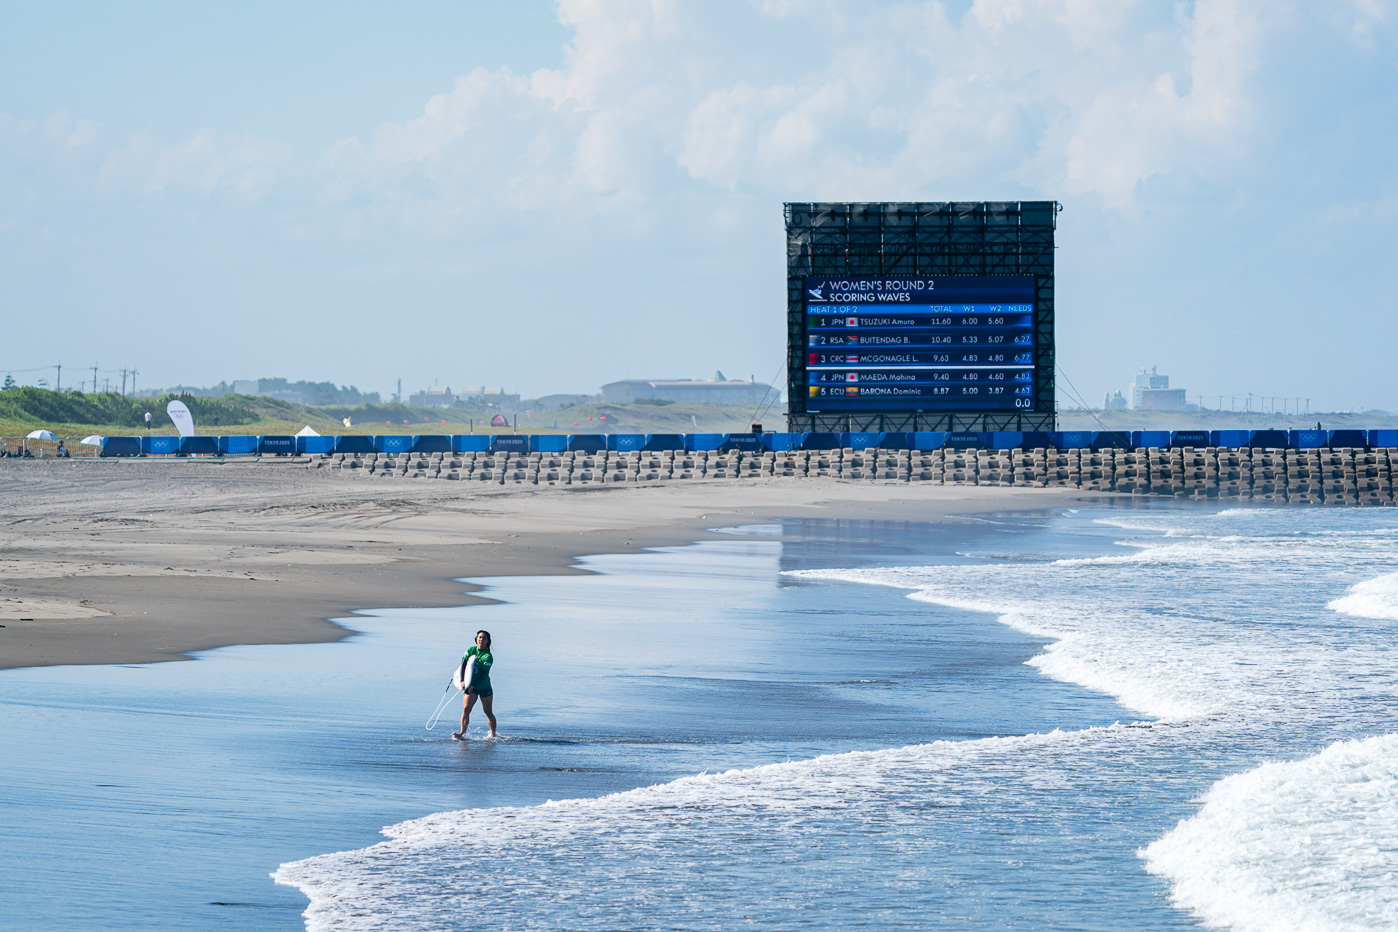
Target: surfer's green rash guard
(481, 681)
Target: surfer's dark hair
(488, 638)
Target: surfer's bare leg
(467, 701)
(488, 704)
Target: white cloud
(655, 99)
(1047, 97)
(68, 132)
(207, 162)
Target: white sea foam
(1165, 666)
(870, 825)
(1309, 845)
(1163, 626)
(1373, 598)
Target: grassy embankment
(73, 415)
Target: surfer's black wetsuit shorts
(485, 693)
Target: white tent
(307, 431)
(40, 435)
(92, 440)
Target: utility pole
(58, 379)
(123, 383)
(134, 373)
(94, 380)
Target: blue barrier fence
(470, 443)
(355, 443)
(121, 446)
(1190, 438)
(1073, 439)
(1269, 439)
(744, 443)
(783, 442)
(163, 445)
(237, 446)
(587, 443)
(548, 443)
(659, 442)
(1348, 438)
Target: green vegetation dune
(75, 414)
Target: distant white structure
(1150, 391)
(487, 396)
(554, 402)
(717, 391)
(438, 396)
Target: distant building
(1164, 399)
(1115, 401)
(301, 392)
(291, 395)
(554, 402)
(483, 396)
(438, 396)
(1151, 391)
(719, 391)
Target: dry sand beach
(130, 562)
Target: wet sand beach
(139, 561)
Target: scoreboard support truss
(932, 239)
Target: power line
(1078, 397)
(774, 395)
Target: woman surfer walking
(479, 686)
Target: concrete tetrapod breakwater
(1331, 476)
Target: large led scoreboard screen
(924, 343)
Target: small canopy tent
(307, 431)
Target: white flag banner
(179, 414)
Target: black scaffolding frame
(921, 238)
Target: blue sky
(551, 196)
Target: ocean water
(1256, 787)
(1160, 717)
(162, 796)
